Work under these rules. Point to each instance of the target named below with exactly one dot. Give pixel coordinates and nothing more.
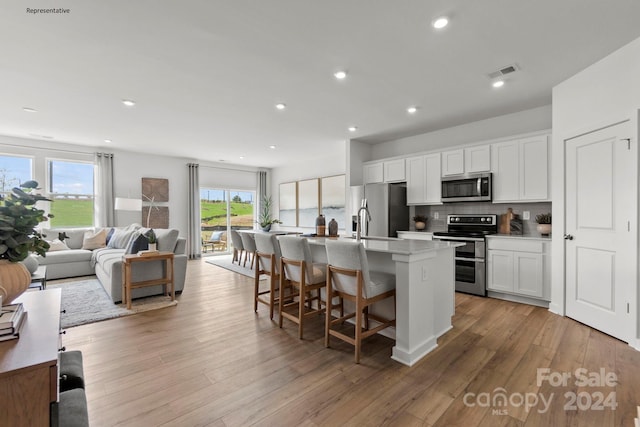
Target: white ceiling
(207, 74)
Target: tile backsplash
(440, 224)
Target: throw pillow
(120, 239)
(94, 240)
(137, 243)
(57, 245)
(109, 235)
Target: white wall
(602, 94)
(521, 122)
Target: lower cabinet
(519, 267)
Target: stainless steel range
(470, 258)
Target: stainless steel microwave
(467, 188)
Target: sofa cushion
(137, 243)
(120, 238)
(167, 239)
(70, 255)
(57, 245)
(94, 240)
(74, 236)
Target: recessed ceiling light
(281, 106)
(340, 74)
(29, 110)
(241, 157)
(353, 128)
(108, 141)
(129, 102)
(498, 83)
(273, 147)
(440, 23)
(412, 110)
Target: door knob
(568, 237)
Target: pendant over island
(425, 290)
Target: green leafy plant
(264, 219)
(151, 236)
(420, 218)
(19, 219)
(543, 218)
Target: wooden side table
(167, 280)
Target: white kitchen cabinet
(466, 160)
(477, 159)
(384, 171)
(373, 173)
(453, 162)
(521, 170)
(394, 171)
(518, 267)
(423, 180)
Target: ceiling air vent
(504, 71)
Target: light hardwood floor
(211, 361)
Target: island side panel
(415, 307)
(441, 272)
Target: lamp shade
(124, 204)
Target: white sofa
(106, 263)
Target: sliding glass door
(222, 210)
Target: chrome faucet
(359, 220)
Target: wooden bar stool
(249, 244)
(349, 277)
(267, 261)
(298, 269)
(238, 248)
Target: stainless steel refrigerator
(388, 208)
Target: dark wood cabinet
(29, 364)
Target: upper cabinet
(466, 160)
(423, 180)
(453, 162)
(387, 171)
(477, 159)
(373, 173)
(394, 171)
(521, 170)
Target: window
(14, 171)
(223, 210)
(70, 187)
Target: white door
(600, 199)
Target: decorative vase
(333, 227)
(14, 280)
(31, 263)
(267, 228)
(153, 246)
(544, 229)
(420, 225)
(320, 225)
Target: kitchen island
(425, 288)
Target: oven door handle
(469, 259)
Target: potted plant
(544, 224)
(264, 219)
(420, 222)
(152, 239)
(19, 236)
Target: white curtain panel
(262, 189)
(104, 214)
(194, 247)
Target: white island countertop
(392, 245)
